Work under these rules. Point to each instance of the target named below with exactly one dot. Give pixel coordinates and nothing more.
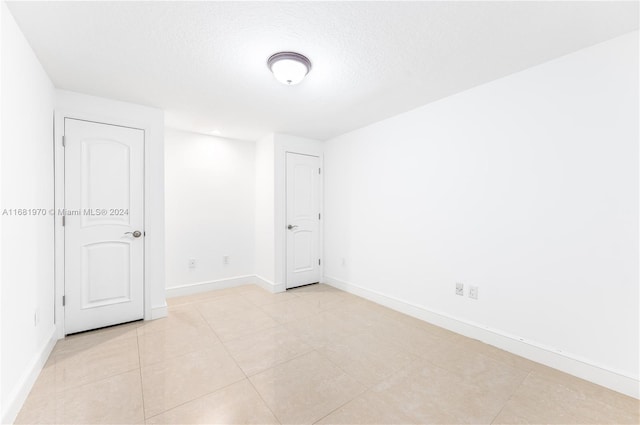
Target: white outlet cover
(459, 288)
(473, 292)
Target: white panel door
(303, 219)
(104, 225)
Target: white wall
(27, 241)
(151, 120)
(526, 187)
(210, 204)
(264, 210)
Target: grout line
(194, 399)
(211, 392)
(264, 401)
(511, 396)
(341, 406)
(226, 350)
(367, 387)
(144, 414)
(242, 370)
(282, 363)
(94, 381)
(259, 331)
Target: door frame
(288, 144)
(143, 202)
(286, 194)
(59, 174)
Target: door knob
(292, 226)
(135, 234)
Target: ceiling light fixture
(289, 67)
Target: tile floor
(310, 355)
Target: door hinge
(318, 216)
(64, 300)
(63, 220)
(318, 261)
(64, 141)
(319, 172)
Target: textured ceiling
(204, 62)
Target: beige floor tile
(430, 395)
(327, 300)
(410, 338)
(350, 321)
(359, 314)
(319, 329)
(238, 403)
(474, 365)
(468, 344)
(513, 414)
(163, 345)
(115, 400)
(261, 350)
(366, 305)
(104, 359)
(305, 389)
(311, 353)
(42, 412)
(396, 316)
(368, 408)
(218, 308)
(41, 405)
(554, 397)
(261, 297)
(180, 319)
(242, 324)
(367, 358)
(539, 401)
(314, 289)
(175, 381)
(441, 332)
(589, 390)
(46, 384)
(84, 340)
(290, 310)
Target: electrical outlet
(192, 263)
(460, 289)
(473, 292)
(225, 259)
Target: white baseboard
(19, 394)
(531, 350)
(212, 285)
(270, 286)
(159, 312)
(198, 287)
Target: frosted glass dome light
(288, 67)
